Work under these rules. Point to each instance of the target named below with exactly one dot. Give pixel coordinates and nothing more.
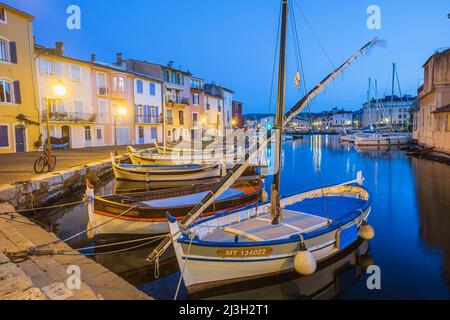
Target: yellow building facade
(19, 117)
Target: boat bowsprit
(244, 244)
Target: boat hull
(149, 175)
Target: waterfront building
(218, 109)
(336, 119)
(19, 117)
(431, 126)
(72, 117)
(300, 123)
(237, 120)
(389, 110)
(357, 119)
(177, 92)
(198, 119)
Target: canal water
(410, 215)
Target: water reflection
(411, 217)
(433, 197)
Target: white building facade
(148, 101)
(71, 114)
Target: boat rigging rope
(274, 61)
(37, 250)
(300, 65)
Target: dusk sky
(232, 42)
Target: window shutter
(13, 51)
(17, 95)
(157, 112)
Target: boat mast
(392, 94)
(275, 190)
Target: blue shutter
(153, 133)
(4, 141)
(17, 95)
(12, 52)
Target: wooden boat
(177, 158)
(127, 186)
(293, 232)
(244, 244)
(158, 173)
(190, 148)
(146, 211)
(382, 139)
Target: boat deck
(309, 215)
(190, 199)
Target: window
(153, 133)
(103, 111)
(139, 86)
(169, 133)
(166, 75)
(48, 68)
(3, 17)
(119, 84)
(194, 118)
(5, 91)
(78, 109)
(3, 50)
(75, 72)
(169, 116)
(4, 139)
(99, 133)
(181, 116)
(101, 84)
(196, 98)
(87, 133)
(152, 89)
(141, 132)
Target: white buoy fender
(265, 196)
(304, 262)
(366, 231)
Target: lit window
(99, 134)
(5, 91)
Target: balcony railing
(177, 100)
(147, 120)
(76, 117)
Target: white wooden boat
(244, 244)
(162, 173)
(382, 139)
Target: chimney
(93, 57)
(59, 48)
(119, 59)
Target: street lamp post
(60, 91)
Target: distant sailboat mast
(275, 190)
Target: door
(87, 137)
(141, 135)
(65, 134)
(20, 138)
